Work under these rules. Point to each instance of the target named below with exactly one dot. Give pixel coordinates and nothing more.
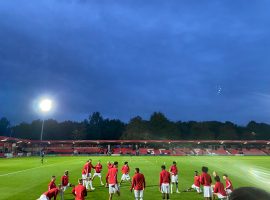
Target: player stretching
(65, 183)
(111, 179)
(52, 185)
(98, 169)
(125, 172)
(229, 186)
(86, 175)
(196, 185)
(174, 173)
(109, 165)
(219, 191)
(138, 184)
(52, 193)
(206, 182)
(164, 182)
(79, 191)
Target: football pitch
(27, 178)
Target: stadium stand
(143, 151)
(179, 152)
(14, 146)
(233, 151)
(220, 151)
(253, 152)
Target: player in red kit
(229, 186)
(98, 169)
(206, 182)
(65, 180)
(86, 174)
(125, 173)
(164, 182)
(79, 191)
(174, 177)
(196, 184)
(52, 184)
(109, 165)
(111, 180)
(64, 183)
(50, 194)
(138, 184)
(219, 190)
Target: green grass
(27, 178)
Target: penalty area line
(17, 172)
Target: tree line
(158, 126)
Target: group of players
(216, 191)
(167, 181)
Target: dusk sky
(190, 59)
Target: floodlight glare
(45, 105)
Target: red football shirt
(111, 176)
(52, 193)
(51, 185)
(138, 182)
(64, 180)
(98, 168)
(174, 170)
(125, 169)
(79, 192)
(219, 188)
(205, 179)
(197, 181)
(164, 177)
(229, 184)
(85, 169)
(90, 166)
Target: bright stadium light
(45, 105)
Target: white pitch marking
(11, 173)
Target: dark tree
(5, 128)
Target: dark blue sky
(192, 60)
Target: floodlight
(45, 105)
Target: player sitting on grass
(174, 177)
(79, 191)
(52, 193)
(206, 181)
(125, 173)
(196, 185)
(229, 186)
(98, 169)
(164, 182)
(52, 184)
(111, 180)
(138, 184)
(219, 190)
